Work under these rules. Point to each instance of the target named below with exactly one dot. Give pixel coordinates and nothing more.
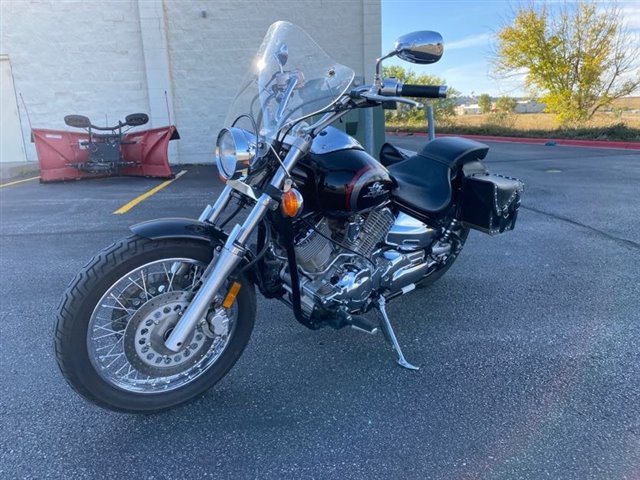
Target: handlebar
(423, 91)
(394, 91)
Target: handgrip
(424, 91)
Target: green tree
(506, 104)
(443, 108)
(503, 115)
(485, 103)
(576, 57)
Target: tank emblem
(375, 190)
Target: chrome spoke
(113, 307)
(104, 347)
(104, 336)
(122, 344)
(138, 285)
(115, 359)
(170, 279)
(144, 286)
(121, 305)
(106, 329)
(195, 278)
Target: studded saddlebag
(490, 202)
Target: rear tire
(75, 351)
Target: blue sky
(467, 27)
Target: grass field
(632, 103)
(624, 126)
(546, 121)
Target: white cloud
(470, 41)
(631, 16)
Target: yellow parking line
(18, 181)
(128, 206)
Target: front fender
(187, 228)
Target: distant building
(529, 106)
(473, 109)
(522, 106)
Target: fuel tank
(339, 178)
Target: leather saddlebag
(490, 202)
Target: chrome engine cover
(391, 254)
(408, 233)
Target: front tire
(115, 315)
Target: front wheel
(117, 313)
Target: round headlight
(235, 149)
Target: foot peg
(391, 336)
(363, 324)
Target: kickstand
(391, 336)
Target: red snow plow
(103, 151)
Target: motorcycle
(159, 317)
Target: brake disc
(150, 327)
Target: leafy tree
(506, 104)
(577, 57)
(443, 108)
(485, 103)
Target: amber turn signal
(291, 202)
(231, 296)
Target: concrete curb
(15, 170)
(538, 141)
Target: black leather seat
(423, 181)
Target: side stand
(391, 336)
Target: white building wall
(69, 56)
(87, 57)
(211, 45)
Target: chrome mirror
(422, 47)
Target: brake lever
(383, 98)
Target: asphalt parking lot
(529, 348)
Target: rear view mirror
(77, 121)
(422, 47)
(136, 119)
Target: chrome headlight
(235, 150)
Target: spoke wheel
(118, 312)
(133, 319)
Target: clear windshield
(291, 77)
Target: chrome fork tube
(210, 213)
(216, 275)
(230, 256)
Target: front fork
(233, 250)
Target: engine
(341, 263)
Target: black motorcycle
(160, 316)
